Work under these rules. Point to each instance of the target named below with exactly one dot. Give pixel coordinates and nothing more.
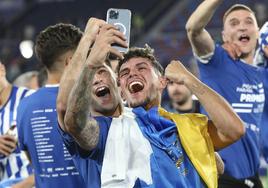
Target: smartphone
(121, 18)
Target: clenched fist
(175, 71)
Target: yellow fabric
(193, 133)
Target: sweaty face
(105, 97)
(241, 28)
(139, 82)
(178, 93)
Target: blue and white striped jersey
(15, 165)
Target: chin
(134, 104)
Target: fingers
(113, 31)
(93, 25)
(116, 53)
(7, 144)
(232, 49)
(111, 35)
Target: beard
(142, 103)
(182, 101)
(105, 111)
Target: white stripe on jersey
(18, 97)
(9, 119)
(6, 120)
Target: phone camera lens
(113, 14)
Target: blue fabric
(89, 163)
(38, 134)
(242, 86)
(10, 182)
(167, 150)
(264, 121)
(16, 164)
(162, 135)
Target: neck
(187, 105)
(116, 113)
(153, 103)
(5, 94)
(248, 58)
(53, 78)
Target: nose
(98, 79)
(133, 72)
(242, 26)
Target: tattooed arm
(225, 126)
(77, 120)
(72, 71)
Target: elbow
(238, 130)
(61, 107)
(188, 27)
(191, 29)
(241, 129)
(69, 124)
(61, 110)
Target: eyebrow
(138, 64)
(141, 63)
(235, 19)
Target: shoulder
(183, 119)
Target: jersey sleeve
(213, 63)
(21, 123)
(95, 154)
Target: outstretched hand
(102, 47)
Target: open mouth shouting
(135, 87)
(244, 38)
(102, 91)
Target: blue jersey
(136, 149)
(264, 122)
(15, 165)
(39, 136)
(242, 86)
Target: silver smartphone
(121, 18)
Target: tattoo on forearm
(86, 130)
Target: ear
(122, 95)
(162, 82)
(68, 60)
(118, 82)
(223, 36)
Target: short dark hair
(236, 7)
(54, 41)
(146, 52)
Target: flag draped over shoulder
(193, 133)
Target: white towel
(127, 154)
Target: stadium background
(160, 23)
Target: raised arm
(77, 120)
(225, 126)
(72, 71)
(201, 41)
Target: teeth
(102, 91)
(100, 88)
(135, 86)
(133, 83)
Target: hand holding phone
(121, 18)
